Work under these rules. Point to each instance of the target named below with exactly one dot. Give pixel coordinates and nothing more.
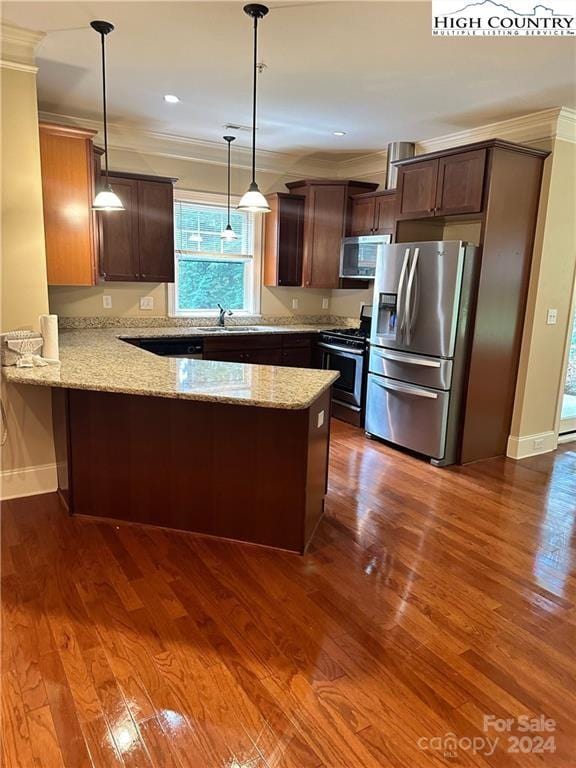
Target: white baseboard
(28, 481)
(569, 437)
(531, 445)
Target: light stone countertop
(98, 359)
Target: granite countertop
(98, 359)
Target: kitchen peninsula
(227, 449)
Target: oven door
(347, 389)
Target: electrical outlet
(320, 420)
(146, 302)
(295, 303)
(325, 303)
(552, 317)
(107, 302)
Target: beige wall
(540, 381)
(192, 175)
(24, 291)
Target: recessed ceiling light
(171, 99)
(338, 133)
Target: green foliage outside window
(204, 282)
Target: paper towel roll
(49, 331)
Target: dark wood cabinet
(373, 214)
(441, 186)
(460, 183)
(284, 240)
(417, 190)
(119, 235)
(297, 358)
(326, 211)
(385, 213)
(156, 231)
(362, 216)
(293, 350)
(137, 244)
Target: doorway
(568, 413)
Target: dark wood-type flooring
(429, 599)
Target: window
(209, 270)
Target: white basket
(16, 344)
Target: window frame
(252, 272)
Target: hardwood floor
(429, 599)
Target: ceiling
(371, 69)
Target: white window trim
(252, 286)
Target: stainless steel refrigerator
(421, 326)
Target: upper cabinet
(68, 188)
(441, 186)
(326, 216)
(460, 183)
(284, 240)
(373, 214)
(137, 244)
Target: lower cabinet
(291, 350)
(297, 358)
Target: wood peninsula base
(238, 472)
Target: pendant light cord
(229, 143)
(254, 100)
(103, 36)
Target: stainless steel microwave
(359, 255)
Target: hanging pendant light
(228, 233)
(253, 199)
(106, 199)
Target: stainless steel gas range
(346, 350)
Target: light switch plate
(146, 302)
(320, 419)
(552, 317)
(107, 302)
(295, 303)
(325, 303)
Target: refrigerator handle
(402, 315)
(397, 387)
(404, 358)
(408, 310)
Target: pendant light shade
(228, 233)
(253, 200)
(106, 199)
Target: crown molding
(363, 166)
(567, 125)
(524, 129)
(19, 47)
(546, 124)
(18, 66)
(133, 139)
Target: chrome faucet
(222, 315)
